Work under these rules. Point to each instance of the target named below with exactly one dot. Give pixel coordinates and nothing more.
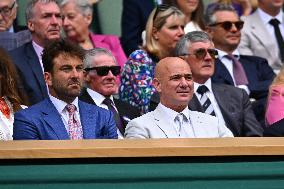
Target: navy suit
(43, 122)
(135, 14)
(260, 75)
(30, 72)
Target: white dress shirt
(212, 98)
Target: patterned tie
(275, 23)
(238, 71)
(107, 101)
(75, 130)
(205, 101)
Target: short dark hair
(210, 18)
(58, 47)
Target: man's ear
(48, 78)
(86, 76)
(156, 83)
(88, 18)
(30, 25)
(209, 30)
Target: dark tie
(107, 101)
(238, 71)
(275, 23)
(205, 101)
(75, 130)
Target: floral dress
(136, 80)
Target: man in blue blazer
(225, 30)
(62, 116)
(44, 23)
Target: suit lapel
(88, 116)
(164, 124)
(195, 105)
(85, 96)
(260, 32)
(35, 66)
(53, 119)
(221, 74)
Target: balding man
(172, 118)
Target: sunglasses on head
(160, 8)
(201, 53)
(227, 25)
(104, 70)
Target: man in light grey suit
(258, 35)
(172, 118)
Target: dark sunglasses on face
(227, 25)
(104, 70)
(201, 53)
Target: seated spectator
(172, 118)
(8, 14)
(263, 33)
(275, 107)
(101, 71)
(77, 17)
(164, 28)
(134, 17)
(251, 73)
(193, 11)
(62, 116)
(10, 98)
(229, 104)
(44, 22)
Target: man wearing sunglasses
(229, 104)
(100, 75)
(251, 73)
(263, 33)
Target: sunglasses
(104, 70)
(201, 53)
(160, 8)
(227, 25)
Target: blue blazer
(30, 73)
(43, 122)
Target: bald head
(173, 80)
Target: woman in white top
(10, 99)
(193, 11)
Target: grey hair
(184, 43)
(84, 6)
(91, 54)
(30, 7)
(210, 17)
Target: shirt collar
(38, 50)
(221, 54)
(171, 114)
(266, 17)
(60, 105)
(97, 97)
(207, 84)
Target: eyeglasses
(160, 8)
(227, 25)
(201, 53)
(104, 70)
(6, 11)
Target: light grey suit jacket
(256, 40)
(156, 125)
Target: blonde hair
(158, 22)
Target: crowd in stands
(180, 69)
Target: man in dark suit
(229, 104)
(135, 14)
(251, 73)
(62, 116)
(44, 22)
(101, 71)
